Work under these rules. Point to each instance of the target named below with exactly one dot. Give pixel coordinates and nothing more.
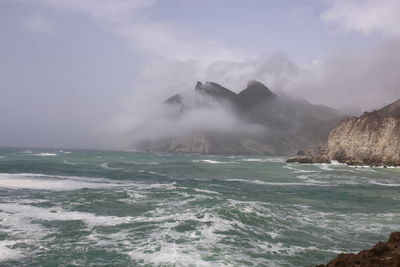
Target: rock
(217, 92)
(255, 93)
(301, 153)
(354, 162)
(371, 139)
(301, 159)
(176, 99)
(385, 254)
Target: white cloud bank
(359, 78)
(364, 79)
(157, 39)
(366, 16)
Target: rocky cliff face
(372, 139)
(382, 254)
(213, 119)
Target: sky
(81, 73)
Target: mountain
(216, 91)
(254, 94)
(371, 139)
(213, 119)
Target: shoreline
(350, 163)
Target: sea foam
(52, 183)
(45, 154)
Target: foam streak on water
(130, 209)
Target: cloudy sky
(80, 73)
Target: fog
(359, 78)
(351, 81)
(93, 74)
(201, 114)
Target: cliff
(382, 254)
(371, 139)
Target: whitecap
(314, 183)
(154, 173)
(211, 161)
(170, 186)
(254, 160)
(105, 166)
(58, 214)
(275, 159)
(52, 183)
(7, 253)
(141, 163)
(296, 170)
(43, 154)
(69, 163)
(337, 163)
(160, 248)
(325, 167)
(169, 253)
(206, 191)
(384, 184)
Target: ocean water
(96, 208)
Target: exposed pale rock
(371, 139)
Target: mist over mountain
(213, 119)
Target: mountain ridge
(255, 93)
(259, 122)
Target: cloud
(157, 39)
(366, 16)
(168, 41)
(162, 78)
(105, 9)
(364, 78)
(351, 81)
(37, 24)
(202, 115)
(176, 59)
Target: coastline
(349, 162)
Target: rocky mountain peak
(175, 100)
(254, 94)
(199, 84)
(216, 90)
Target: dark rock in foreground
(385, 254)
(301, 159)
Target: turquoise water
(96, 208)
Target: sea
(100, 208)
